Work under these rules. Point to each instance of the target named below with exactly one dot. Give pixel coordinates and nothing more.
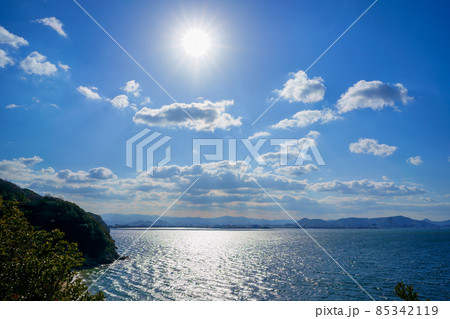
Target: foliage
(37, 264)
(406, 292)
(49, 213)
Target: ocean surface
(274, 264)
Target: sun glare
(196, 42)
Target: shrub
(37, 264)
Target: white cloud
(5, 59)
(290, 151)
(209, 116)
(313, 134)
(372, 94)
(366, 187)
(371, 146)
(65, 67)
(53, 23)
(301, 89)
(307, 117)
(146, 100)
(417, 160)
(101, 173)
(259, 135)
(13, 40)
(120, 101)
(132, 87)
(18, 168)
(89, 92)
(12, 106)
(98, 173)
(29, 161)
(296, 170)
(35, 63)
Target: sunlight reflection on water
(280, 264)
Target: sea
(274, 264)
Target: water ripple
(186, 264)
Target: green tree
(37, 264)
(406, 292)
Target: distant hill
(375, 223)
(140, 220)
(46, 212)
(442, 224)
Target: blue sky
(376, 104)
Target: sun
(196, 43)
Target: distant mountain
(376, 223)
(140, 220)
(442, 224)
(88, 230)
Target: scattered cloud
(371, 146)
(259, 135)
(132, 87)
(296, 170)
(372, 94)
(366, 187)
(120, 101)
(209, 116)
(53, 23)
(35, 63)
(146, 100)
(65, 67)
(101, 173)
(19, 168)
(98, 173)
(299, 88)
(13, 40)
(308, 117)
(89, 92)
(291, 152)
(313, 134)
(29, 161)
(417, 160)
(13, 106)
(5, 59)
